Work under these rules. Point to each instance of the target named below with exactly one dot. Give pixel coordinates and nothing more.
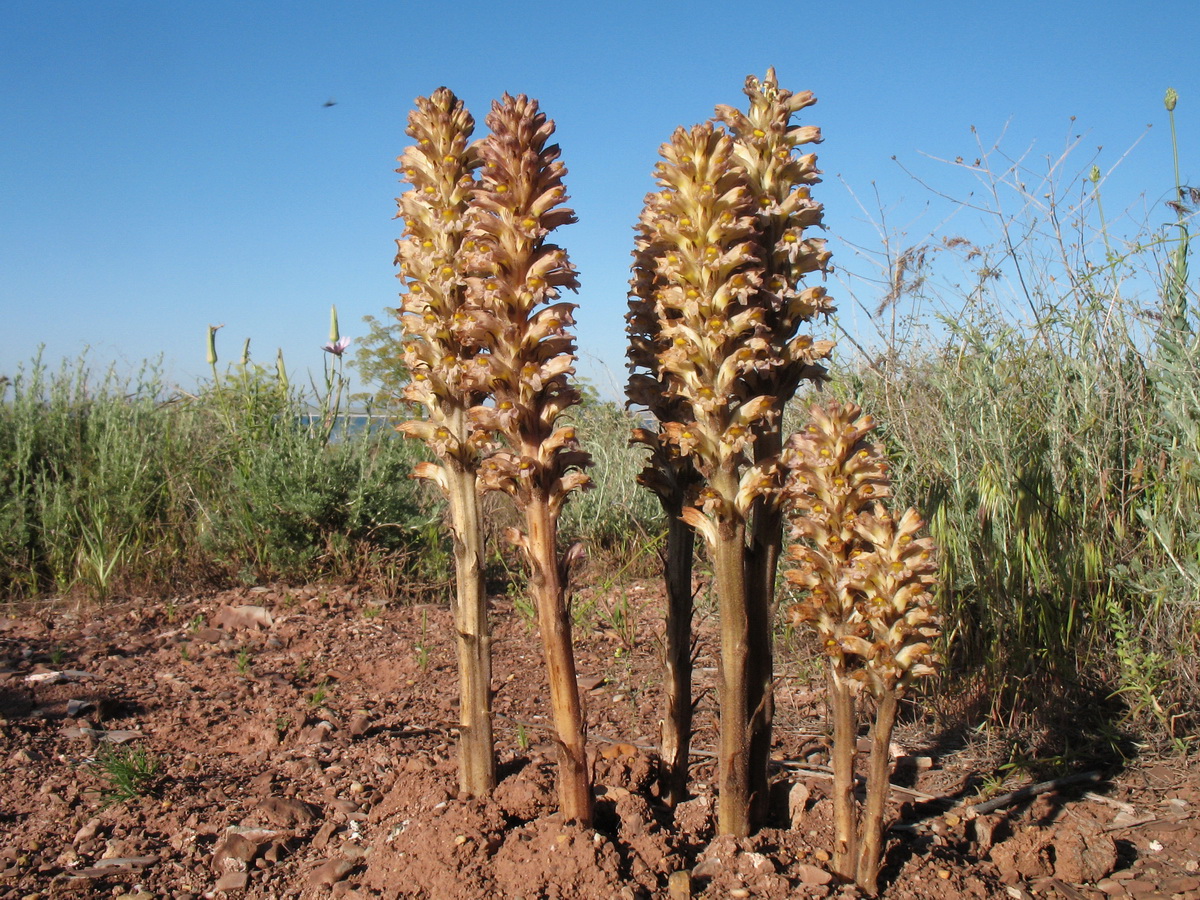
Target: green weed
(130, 772)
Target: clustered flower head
(441, 347)
(867, 577)
(766, 146)
(514, 279)
(716, 303)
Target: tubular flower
(440, 345)
(515, 279)
(867, 577)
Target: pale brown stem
(878, 787)
(476, 747)
(554, 622)
(845, 740)
(677, 725)
(729, 562)
(766, 539)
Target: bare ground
(305, 748)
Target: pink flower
(338, 347)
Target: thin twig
(1031, 791)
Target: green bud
(1094, 175)
(1170, 99)
(212, 343)
(281, 370)
(334, 334)
(246, 353)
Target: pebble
(679, 885)
(813, 874)
(330, 872)
(232, 881)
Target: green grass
(1039, 394)
(129, 772)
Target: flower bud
(334, 334)
(281, 375)
(1170, 99)
(212, 343)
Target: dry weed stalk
(715, 353)
(867, 579)
(515, 276)
(440, 353)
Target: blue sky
(166, 165)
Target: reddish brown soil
(311, 752)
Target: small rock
(359, 724)
(234, 853)
(321, 840)
(798, 803)
(87, 832)
(679, 885)
(708, 868)
(1181, 884)
(288, 812)
(810, 874)
(1138, 888)
(236, 618)
(232, 881)
(755, 864)
(330, 872)
(1084, 858)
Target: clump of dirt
(302, 744)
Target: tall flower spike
(867, 582)
(779, 175)
(516, 277)
(715, 353)
(780, 178)
(673, 478)
(440, 352)
(697, 273)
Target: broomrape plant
(440, 352)
(515, 279)
(491, 357)
(867, 579)
(715, 313)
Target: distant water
(352, 424)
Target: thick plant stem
(878, 787)
(477, 757)
(554, 622)
(845, 739)
(762, 563)
(760, 698)
(677, 726)
(729, 558)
